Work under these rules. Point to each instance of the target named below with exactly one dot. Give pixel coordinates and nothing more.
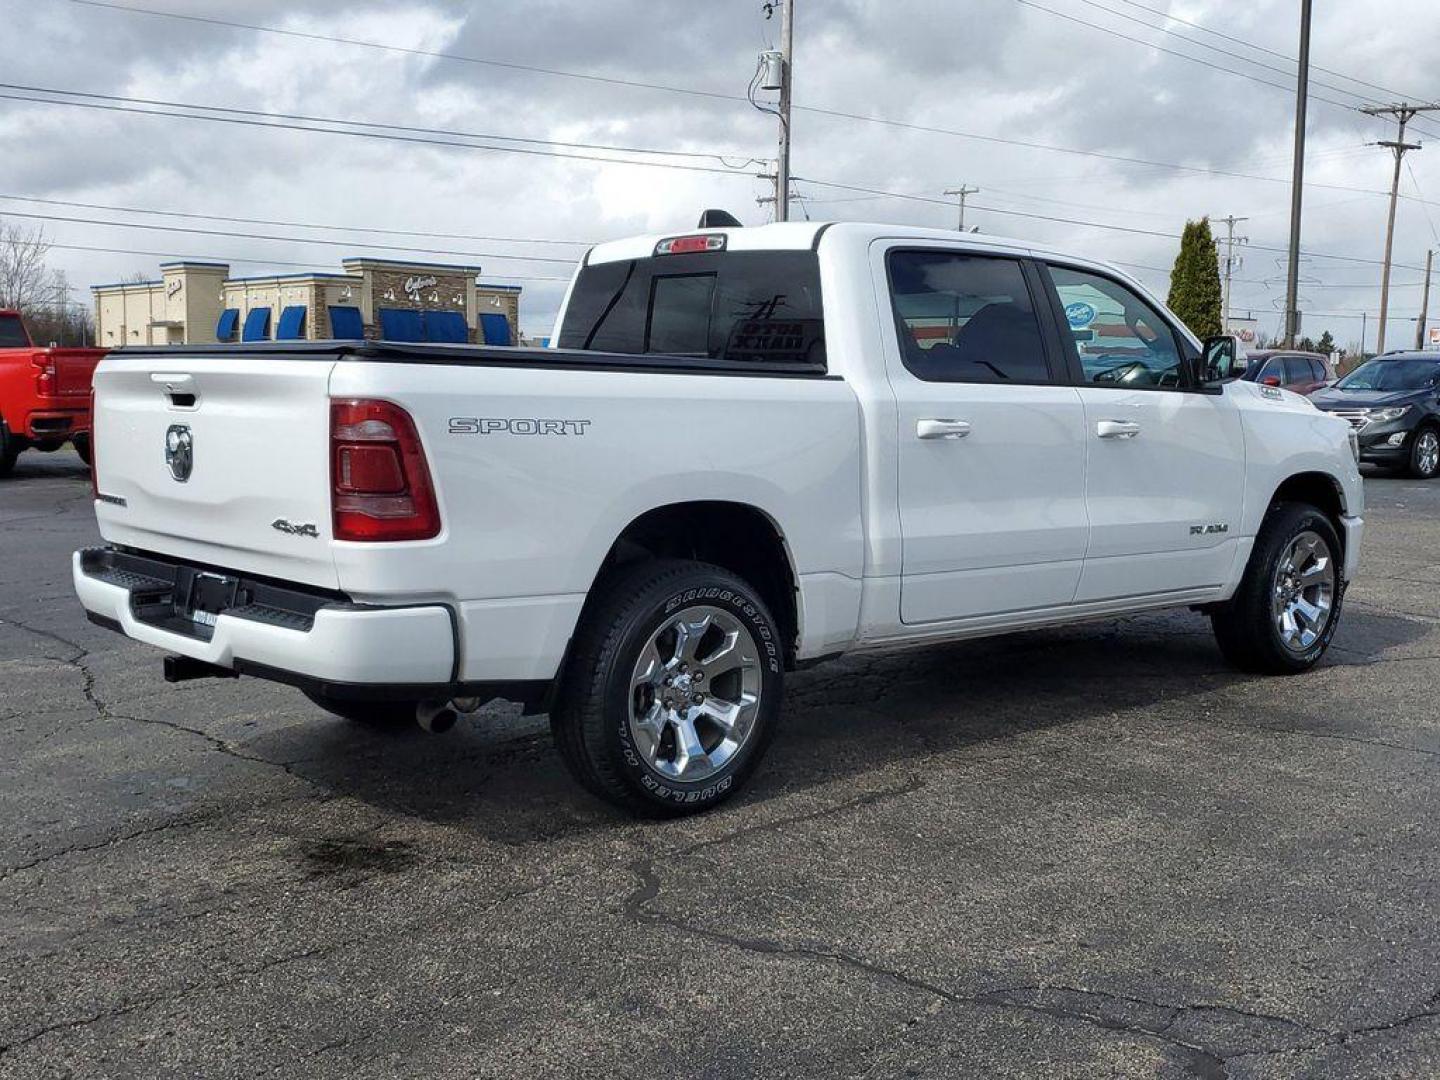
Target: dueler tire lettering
(591, 718)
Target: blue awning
(496, 329)
(228, 324)
(401, 324)
(346, 323)
(449, 326)
(257, 325)
(292, 323)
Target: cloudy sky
(1091, 105)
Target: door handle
(1117, 429)
(942, 429)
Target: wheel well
(1318, 490)
(737, 536)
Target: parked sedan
(1302, 372)
(1393, 403)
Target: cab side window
(1121, 340)
(1297, 370)
(966, 318)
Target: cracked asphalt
(1092, 852)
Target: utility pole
(1297, 181)
(787, 77)
(1424, 303)
(961, 191)
(1230, 264)
(1403, 113)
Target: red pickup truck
(44, 394)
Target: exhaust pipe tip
(436, 717)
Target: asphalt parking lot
(1093, 852)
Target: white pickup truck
(752, 449)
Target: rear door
(220, 459)
(991, 439)
(1165, 462)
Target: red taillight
(685, 245)
(379, 481)
(45, 376)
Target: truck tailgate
(254, 494)
(73, 369)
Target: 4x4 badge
(180, 451)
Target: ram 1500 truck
(44, 394)
(752, 449)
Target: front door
(991, 439)
(1165, 475)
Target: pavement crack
(115, 1012)
(1200, 1061)
(104, 711)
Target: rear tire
(378, 714)
(672, 692)
(1425, 454)
(1284, 614)
(82, 447)
(9, 450)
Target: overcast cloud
(987, 67)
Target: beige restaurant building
(196, 303)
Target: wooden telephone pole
(1403, 114)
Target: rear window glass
(759, 307)
(12, 333)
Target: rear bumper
(311, 639)
(48, 424)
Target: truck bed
(393, 352)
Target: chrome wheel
(1427, 453)
(694, 693)
(1303, 591)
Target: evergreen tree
(1195, 293)
(1326, 344)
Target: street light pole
(1297, 181)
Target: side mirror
(1218, 361)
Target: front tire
(1284, 614)
(672, 693)
(1425, 454)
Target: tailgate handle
(178, 390)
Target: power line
(1183, 56)
(235, 259)
(433, 54)
(288, 224)
(367, 134)
(1269, 52)
(286, 239)
(1366, 99)
(409, 128)
(882, 193)
(811, 109)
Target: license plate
(210, 594)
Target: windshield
(1391, 375)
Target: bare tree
(26, 280)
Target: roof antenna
(718, 219)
